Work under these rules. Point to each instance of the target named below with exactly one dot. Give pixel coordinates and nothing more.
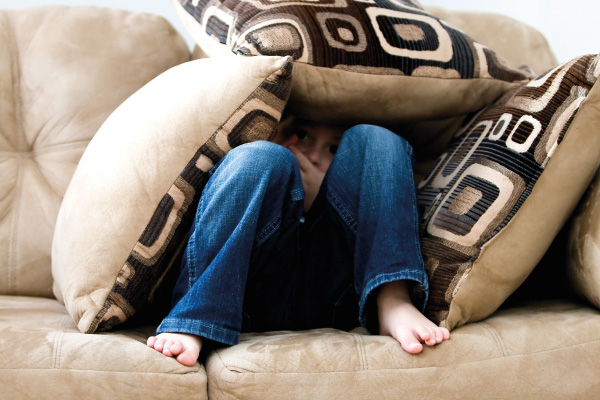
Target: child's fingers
(292, 140)
(303, 161)
(306, 166)
(294, 150)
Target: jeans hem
(199, 328)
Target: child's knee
(262, 158)
(378, 139)
(261, 152)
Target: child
(283, 241)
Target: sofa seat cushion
(518, 353)
(40, 344)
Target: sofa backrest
(516, 41)
(63, 70)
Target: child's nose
(313, 155)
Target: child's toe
(423, 333)
(187, 359)
(439, 337)
(176, 348)
(412, 347)
(431, 342)
(409, 342)
(150, 341)
(445, 333)
(167, 348)
(158, 344)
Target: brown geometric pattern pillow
(133, 197)
(502, 190)
(363, 60)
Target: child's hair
(293, 126)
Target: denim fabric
(252, 265)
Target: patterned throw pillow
(503, 189)
(132, 199)
(378, 61)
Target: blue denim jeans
(254, 263)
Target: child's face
(318, 143)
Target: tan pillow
(63, 70)
(499, 195)
(133, 196)
(583, 263)
(358, 61)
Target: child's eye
(333, 148)
(301, 133)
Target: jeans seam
(415, 211)
(342, 211)
(269, 229)
(266, 232)
(297, 194)
(190, 257)
(417, 240)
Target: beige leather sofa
(62, 72)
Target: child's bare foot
(399, 318)
(184, 347)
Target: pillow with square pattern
(366, 61)
(132, 199)
(504, 188)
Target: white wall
(571, 27)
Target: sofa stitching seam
(42, 151)
(497, 338)
(57, 345)
(17, 98)
(362, 357)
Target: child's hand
(312, 177)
